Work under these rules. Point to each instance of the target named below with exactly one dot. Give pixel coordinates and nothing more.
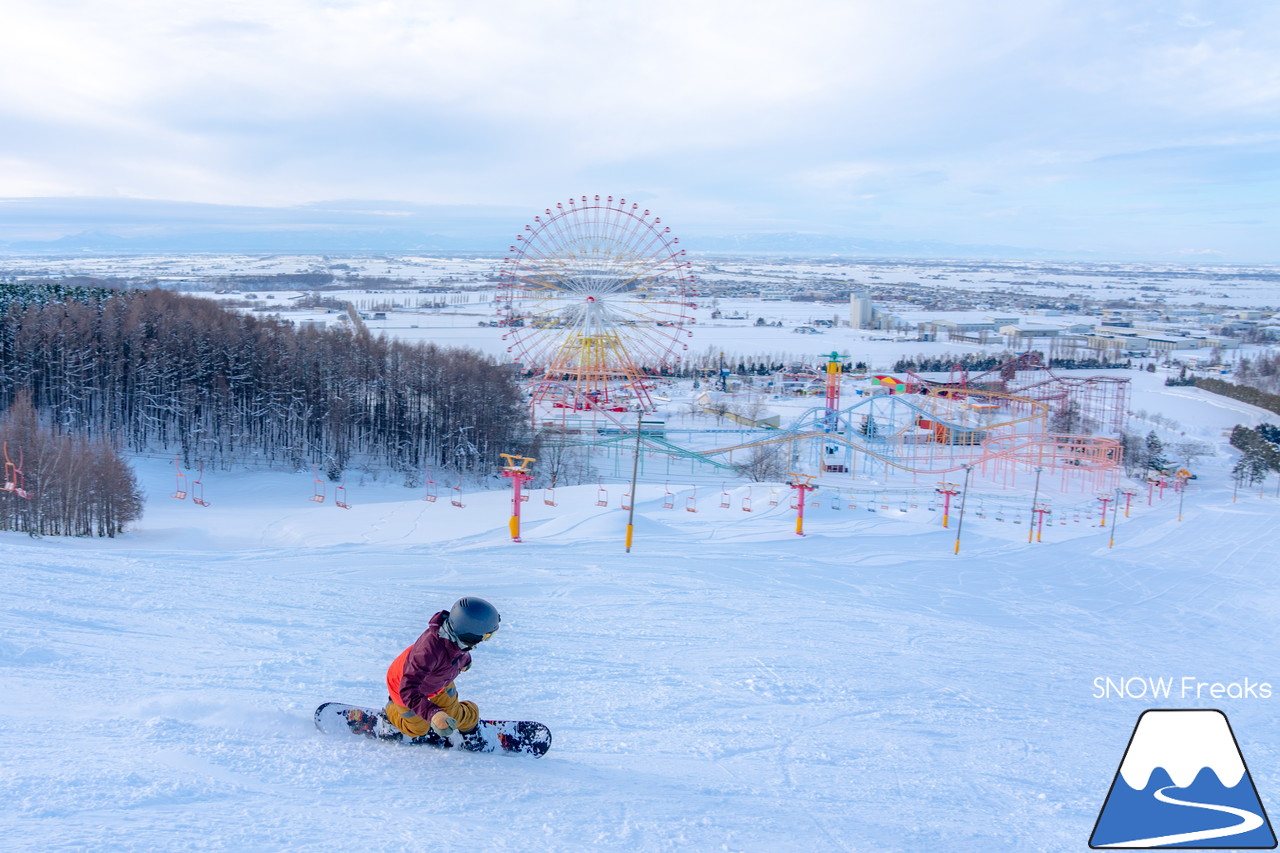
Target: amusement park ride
(595, 301)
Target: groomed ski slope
(726, 686)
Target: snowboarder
(422, 701)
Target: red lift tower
(516, 470)
(803, 484)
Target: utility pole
(964, 496)
(1035, 496)
(635, 469)
(1115, 510)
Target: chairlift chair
(197, 488)
(180, 490)
(14, 481)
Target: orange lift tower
(516, 470)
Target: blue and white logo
(1183, 783)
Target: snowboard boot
(431, 738)
(473, 741)
(385, 729)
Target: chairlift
(14, 481)
(456, 499)
(836, 502)
(773, 497)
(691, 502)
(197, 488)
(746, 502)
(626, 500)
(724, 497)
(179, 491)
(549, 496)
(340, 494)
(432, 491)
(668, 499)
(602, 496)
(319, 493)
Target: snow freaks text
(1186, 687)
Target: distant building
(861, 311)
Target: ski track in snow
(727, 685)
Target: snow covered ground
(725, 686)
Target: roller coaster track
(993, 440)
(942, 422)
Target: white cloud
(785, 112)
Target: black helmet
(472, 621)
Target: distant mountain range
(61, 226)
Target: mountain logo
(1183, 783)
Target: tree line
(1259, 452)
(57, 484)
(974, 362)
(1244, 393)
(153, 370)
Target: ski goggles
(474, 639)
(468, 640)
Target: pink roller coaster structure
(1012, 420)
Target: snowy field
(1184, 284)
(727, 685)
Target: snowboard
(517, 737)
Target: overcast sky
(1118, 127)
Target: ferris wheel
(595, 296)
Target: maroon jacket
(424, 668)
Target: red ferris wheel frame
(595, 296)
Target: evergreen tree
(1133, 452)
(1067, 419)
(1252, 467)
(1155, 457)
